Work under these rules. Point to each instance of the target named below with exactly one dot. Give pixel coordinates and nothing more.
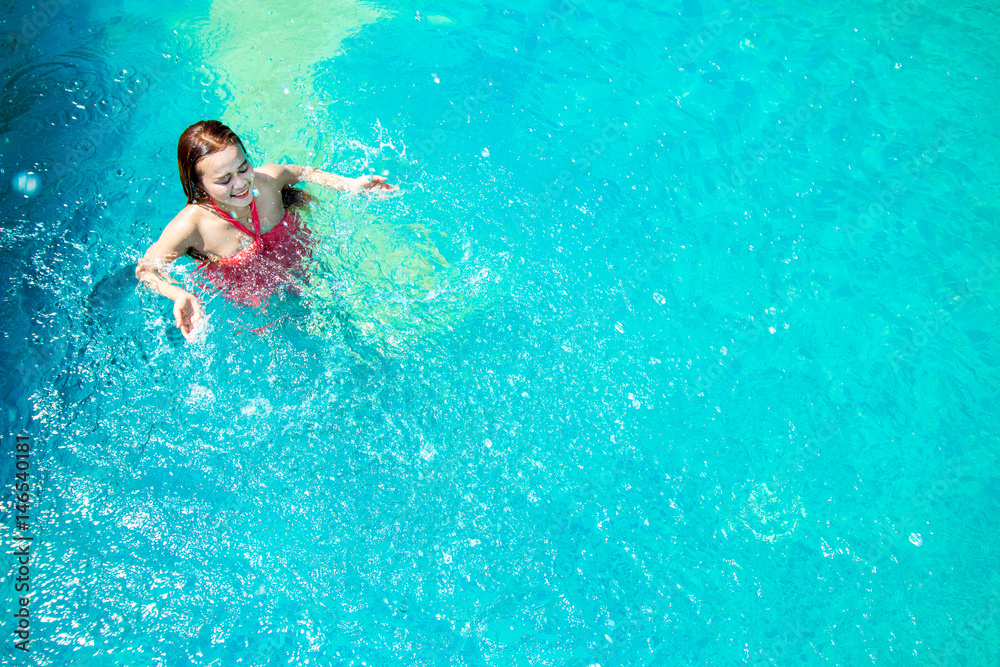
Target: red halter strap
(253, 213)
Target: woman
(240, 223)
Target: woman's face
(227, 176)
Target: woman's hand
(188, 315)
(371, 183)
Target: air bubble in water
(28, 183)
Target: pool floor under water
(677, 347)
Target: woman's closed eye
(242, 170)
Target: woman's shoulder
(190, 218)
(279, 175)
(181, 233)
(268, 180)
(190, 224)
(272, 171)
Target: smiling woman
(241, 224)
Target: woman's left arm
(290, 174)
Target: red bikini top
(272, 260)
(258, 244)
(255, 234)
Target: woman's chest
(223, 238)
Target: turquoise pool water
(679, 346)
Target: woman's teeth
(241, 195)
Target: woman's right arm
(179, 236)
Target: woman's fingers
(380, 182)
(187, 314)
(196, 312)
(370, 182)
(179, 319)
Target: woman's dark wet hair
(211, 136)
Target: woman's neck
(241, 213)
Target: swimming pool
(678, 348)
